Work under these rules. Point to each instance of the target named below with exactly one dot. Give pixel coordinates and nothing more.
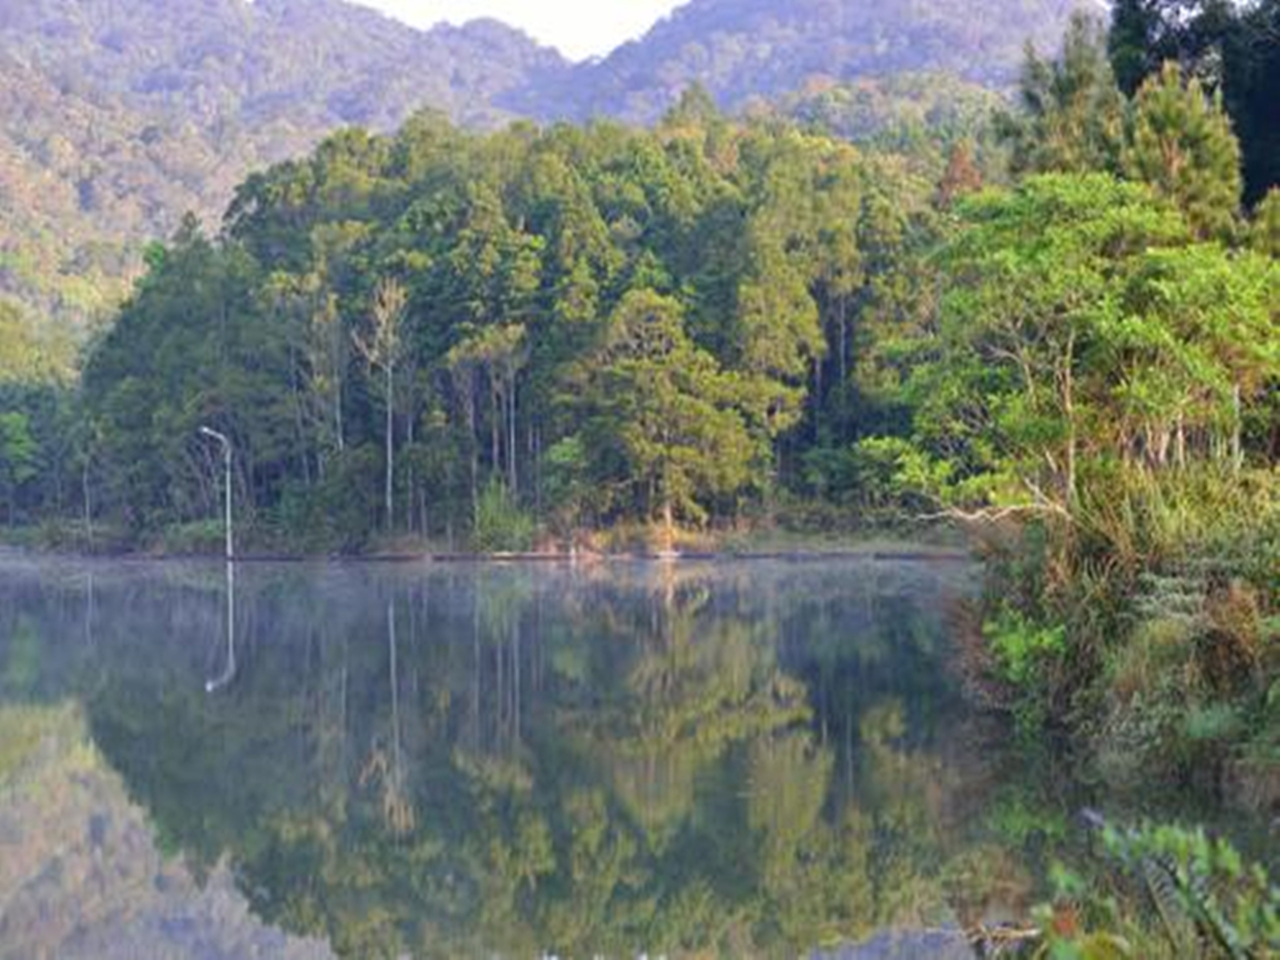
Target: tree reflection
(736, 760)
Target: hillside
(741, 50)
(118, 116)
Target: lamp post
(226, 459)
(229, 673)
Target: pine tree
(1265, 233)
(1073, 112)
(1183, 146)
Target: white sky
(579, 28)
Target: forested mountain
(746, 49)
(118, 116)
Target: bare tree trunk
(844, 341)
(410, 519)
(390, 447)
(473, 428)
(495, 426)
(817, 397)
(1069, 410)
(512, 475)
(337, 417)
(299, 418)
(88, 507)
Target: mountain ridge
(732, 48)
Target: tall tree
(660, 415)
(1233, 49)
(1182, 145)
(961, 176)
(382, 350)
(1034, 285)
(1137, 42)
(1072, 117)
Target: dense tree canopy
(1086, 328)
(673, 304)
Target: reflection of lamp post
(226, 459)
(228, 674)
(211, 685)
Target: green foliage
(1232, 906)
(1072, 116)
(1182, 144)
(1265, 232)
(617, 325)
(1024, 650)
(198, 538)
(1134, 44)
(1162, 890)
(1232, 49)
(500, 525)
(1085, 336)
(27, 356)
(757, 48)
(565, 485)
(920, 116)
(19, 457)
(668, 411)
(118, 117)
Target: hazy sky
(579, 28)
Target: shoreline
(878, 553)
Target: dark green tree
(661, 418)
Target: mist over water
(457, 760)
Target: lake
(720, 758)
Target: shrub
(1028, 656)
(1163, 891)
(501, 526)
(1022, 648)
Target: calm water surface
(728, 759)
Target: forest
(506, 338)
(1059, 334)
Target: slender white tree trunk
(390, 446)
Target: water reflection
(229, 673)
(735, 759)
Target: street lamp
(226, 459)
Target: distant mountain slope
(118, 116)
(312, 61)
(744, 49)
